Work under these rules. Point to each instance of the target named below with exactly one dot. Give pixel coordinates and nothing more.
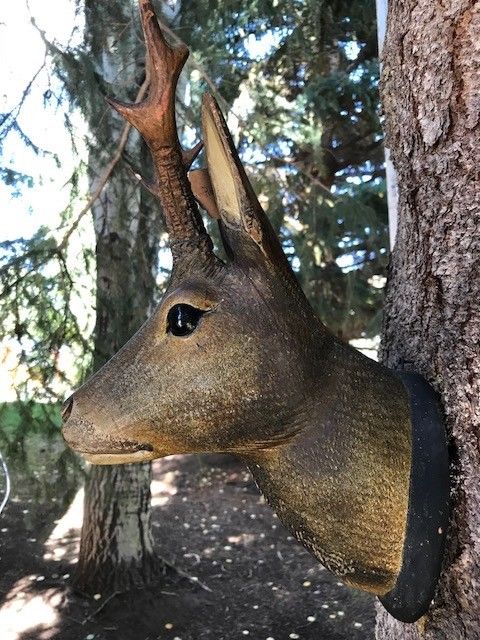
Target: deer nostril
(67, 408)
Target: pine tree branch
(198, 66)
(117, 155)
(9, 119)
(107, 172)
(201, 69)
(124, 136)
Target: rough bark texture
(431, 99)
(116, 549)
(116, 546)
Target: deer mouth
(124, 453)
(143, 454)
(82, 436)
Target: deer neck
(341, 483)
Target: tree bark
(116, 547)
(431, 100)
(116, 550)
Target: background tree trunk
(431, 100)
(116, 549)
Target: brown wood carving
(351, 455)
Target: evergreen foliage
(311, 137)
(299, 84)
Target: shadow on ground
(240, 574)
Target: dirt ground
(241, 574)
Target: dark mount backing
(428, 509)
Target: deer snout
(78, 431)
(96, 439)
(73, 430)
(72, 436)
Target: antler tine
(189, 155)
(154, 118)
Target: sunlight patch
(65, 538)
(25, 611)
(162, 490)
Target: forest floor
(241, 575)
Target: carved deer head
(234, 360)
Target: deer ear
(241, 214)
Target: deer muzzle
(88, 438)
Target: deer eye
(182, 319)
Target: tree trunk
(116, 548)
(431, 100)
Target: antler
(154, 118)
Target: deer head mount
(350, 455)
